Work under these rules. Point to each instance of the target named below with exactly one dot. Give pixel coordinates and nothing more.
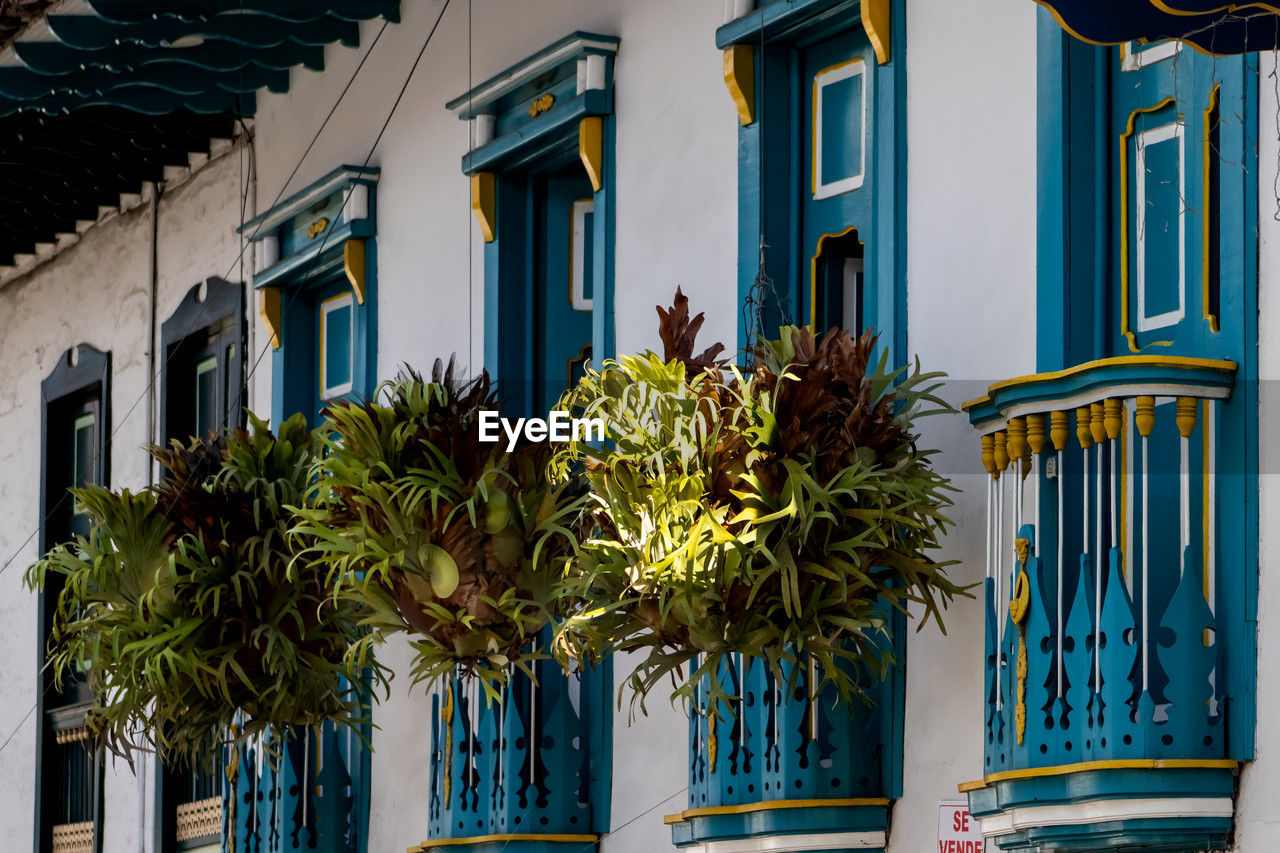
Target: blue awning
(1207, 25)
(98, 97)
(155, 57)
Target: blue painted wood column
(317, 289)
(818, 88)
(532, 772)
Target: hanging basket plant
(188, 611)
(454, 541)
(772, 514)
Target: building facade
(276, 208)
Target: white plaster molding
(1104, 811)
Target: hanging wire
(266, 348)
(471, 298)
(120, 422)
(763, 298)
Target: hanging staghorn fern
(434, 533)
(187, 610)
(772, 515)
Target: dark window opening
(74, 454)
(837, 282)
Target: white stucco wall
(1257, 822)
(97, 292)
(971, 272)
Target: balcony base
(783, 825)
(510, 843)
(1071, 810)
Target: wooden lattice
(73, 837)
(199, 819)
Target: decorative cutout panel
(308, 801)
(519, 767)
(779, 764)
(199, 820)
(73, 837)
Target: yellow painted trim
(504, 837)
(591, 149)
(1207, 213)
(876, 16)
(1124, 223)
(269, 309)
(1178, 361)
(353, 266)
(813, 271)
(1062, 23)
(773, 805)
(1093, 766)
(975, 402)
(484, 204)
(1226, 7)
(320, 353)
(813, 120)
(740, 80)
(1057, 17)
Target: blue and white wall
(971, 213)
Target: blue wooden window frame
(204, 335)
(1075, 154)
(548, 110)
(314, 247)
(769, 195)
(769, 204)
(549, 114)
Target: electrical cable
(155, 377)
(120, 423)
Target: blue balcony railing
(528, 772)
(782, 769)
(311, 795)
(1108, 670)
